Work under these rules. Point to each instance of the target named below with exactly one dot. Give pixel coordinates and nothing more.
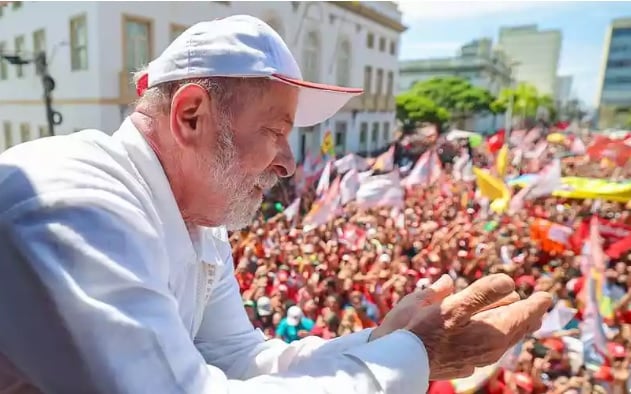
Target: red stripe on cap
(142, 84)
(318, 86)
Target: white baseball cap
(294, 315)
(244, 46)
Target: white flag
(323, 183)
(350, 162)
(349, 186)
(381, 190)
(292, 210)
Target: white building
(93, 47)
(536, 54)
(477, 62)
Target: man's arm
(90, 311)
(227, 339)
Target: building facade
(563, 90)
(93, 48)
(614, 98)
(535, 54)
(476, 62)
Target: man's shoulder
(53, 168)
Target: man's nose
(285, 163)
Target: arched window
(343, 69)
(310, 57)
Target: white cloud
(450, 10)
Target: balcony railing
(354, 104)
(368, 102)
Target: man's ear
(190, 114)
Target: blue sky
(438, 28)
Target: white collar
(147, 164)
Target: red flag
(496, 141)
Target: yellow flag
(492, 188)
(502, 161)
(328, 145)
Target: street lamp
(508, 116)
(53, 117)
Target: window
(379, 83)
(78, 43)
(382, 44)
(17, 5)
(19, 49)
(386, 131)
(4, 68)
(8, 135)
(340, 137)
(39, 41)
(138, 43)
(374, 137)
(344, 64)
(175, 32)
(370, 40)
(306, 140)
(621, 32)
(311, 57)
(393, 48)
(25, 132)
(619, 63)
(363, 137)
(390, 84)
(368, 79)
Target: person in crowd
(294, 326)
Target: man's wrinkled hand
(404, 311)
(475, 327)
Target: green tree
(526, 101)
(413, 109)
(440, 99)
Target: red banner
(616, 236)
(618, 151)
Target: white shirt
(111, 293)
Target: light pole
(508, 116)
(53, 117)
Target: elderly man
(117, 275)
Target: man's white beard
(243, 200)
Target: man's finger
(481, 294)
(533, 310)
(520, 318)
(509, 299)
(438, 291)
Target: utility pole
(53, 117)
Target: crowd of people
(345, 275)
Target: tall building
(614, 96)
(93, 48)
(535, 54)
(563, 89)
(476, 62)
